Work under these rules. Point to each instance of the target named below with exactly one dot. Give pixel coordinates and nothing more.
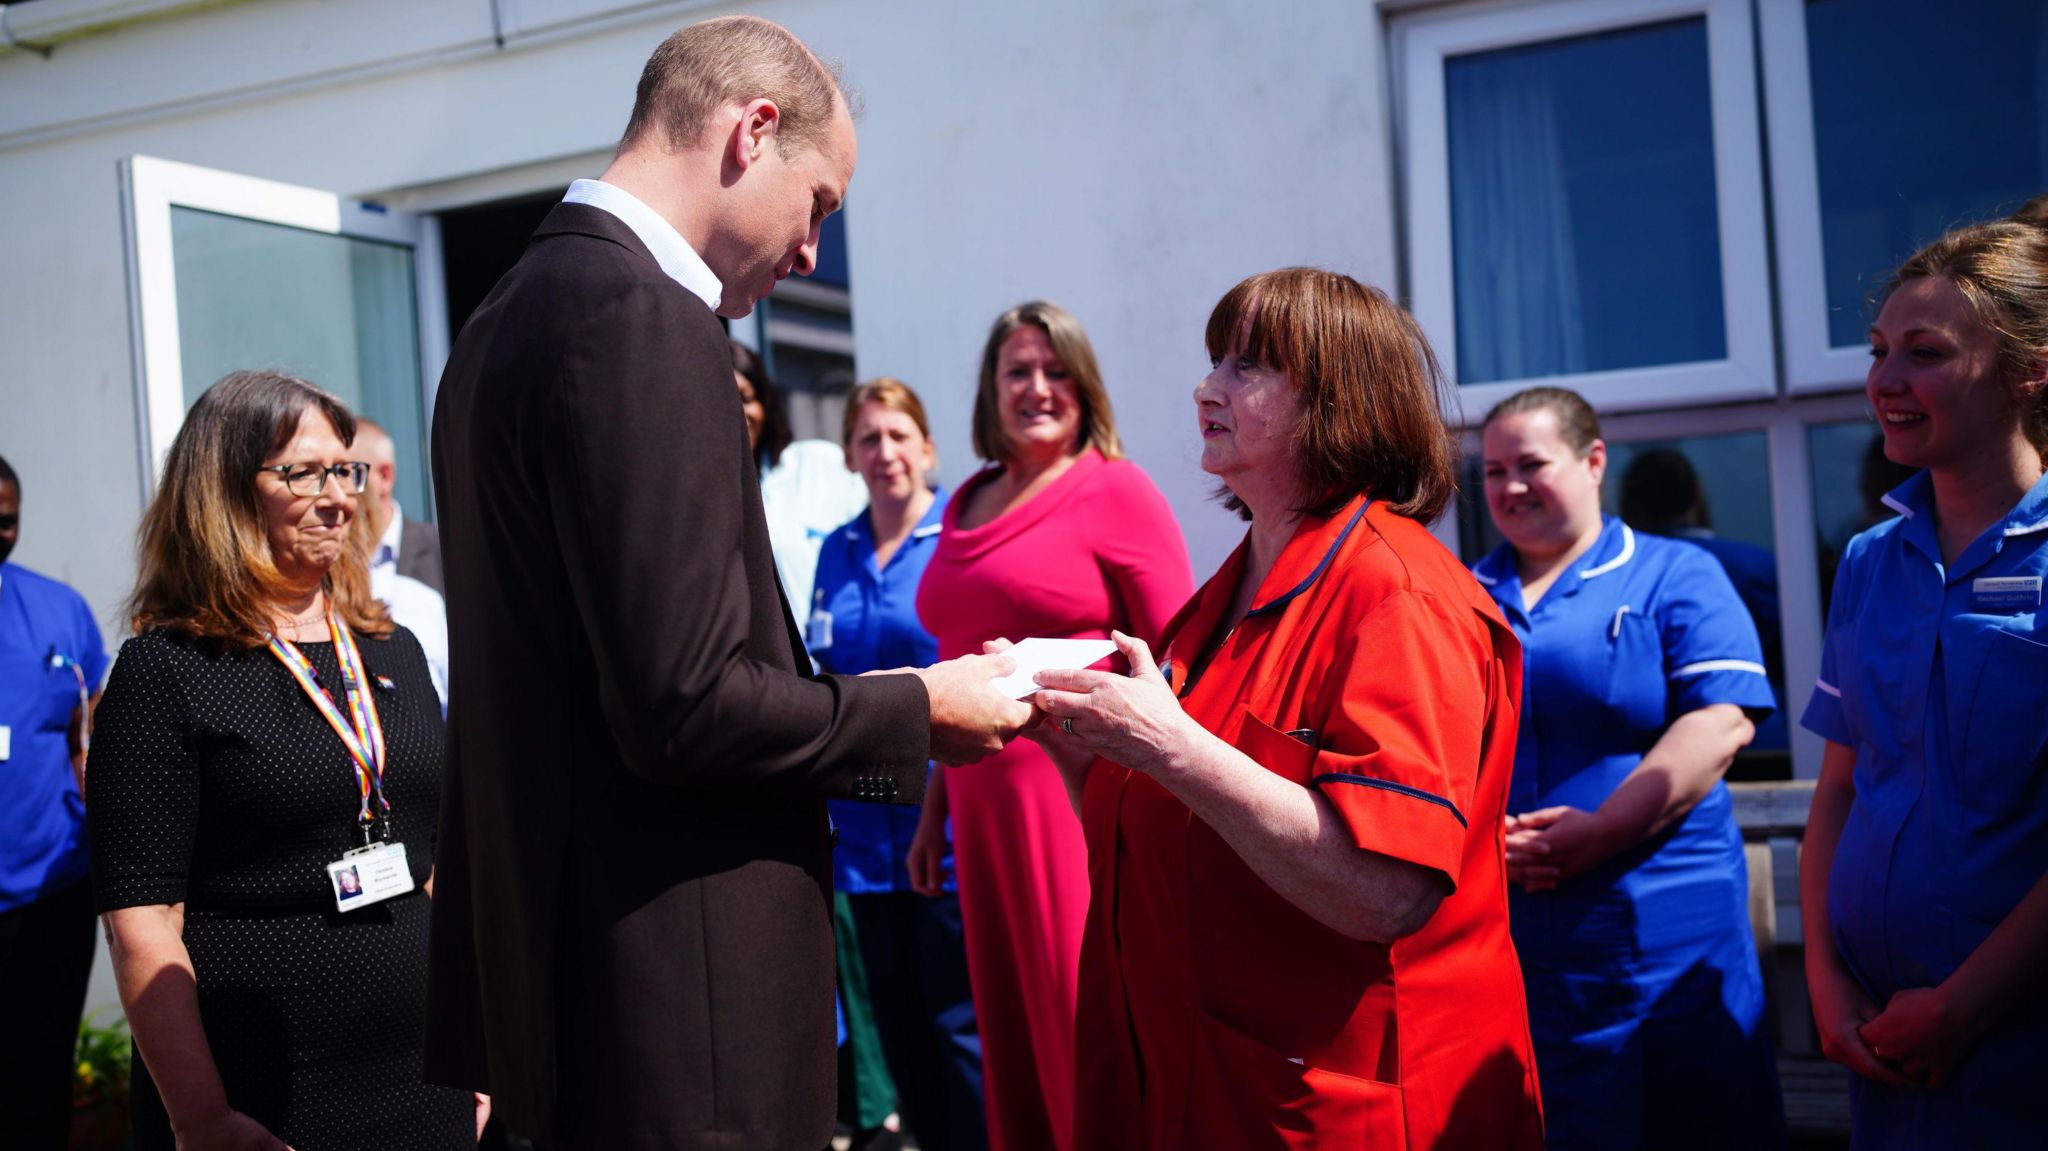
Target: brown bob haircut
(1372, 417)
(731, 60)
(206, 569)
(1076, 354)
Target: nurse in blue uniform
(1643, 677)
(1925, 877)
(906, 914)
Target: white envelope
(1036, 655)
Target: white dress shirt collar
(670, 250)
(386, 551)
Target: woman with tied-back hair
(1642, 678)
(266, 720)
(1924, 879)
(1060, 537)
(1298, 937)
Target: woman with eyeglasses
(265, 780)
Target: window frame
(1422, 44)
(151, 187)
(1812, 362)
(1784, 423)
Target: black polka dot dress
(215, 782)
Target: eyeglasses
(307, 480)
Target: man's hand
(970, 719)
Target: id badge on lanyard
(377, 871)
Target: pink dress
(1099, 549)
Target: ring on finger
(1067, 725)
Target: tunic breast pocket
(2002, 747)
(1288, 754)
(1637, 693)
(38, 697)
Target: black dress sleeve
(142, 780)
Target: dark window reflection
(1979, 133)
(1851, 475)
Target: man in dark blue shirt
(51, 665)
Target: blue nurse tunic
(1645, 999)
(1937, 676)
(45, 629)
(864, 618)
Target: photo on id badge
(369, 875)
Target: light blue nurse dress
(1645, 999)
(1937, 677)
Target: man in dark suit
(632, 939)
(415, 547)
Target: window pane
(335, 310)
(1924, 116)
(1713, 492)
(1583, 217)
(1851, 475)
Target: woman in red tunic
(1299, 931)
(1062, 538)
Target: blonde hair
(731, 60)
(889, 392)
(1076, 354)
(203, 550)
(2001, 268)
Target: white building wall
(1131, 160)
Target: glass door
(228, 272)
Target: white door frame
(151, 187)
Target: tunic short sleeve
(92, 649)
(143, 781)
(1399, 751)
(1711, 651)
(1824, 714)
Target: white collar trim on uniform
(1628, 552)
(664, 243)
(1897, 506)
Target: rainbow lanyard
(361, 731)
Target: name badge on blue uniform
(820, 634)
(1999, 595)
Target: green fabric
(866, 1093)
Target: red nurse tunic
(1216, 1014)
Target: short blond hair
(889, 392)
(731, 60)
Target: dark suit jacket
(632, 937)
(419, 554)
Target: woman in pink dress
(1059, 537)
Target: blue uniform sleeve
(1711, 651)
(92, 648)
(1824, 714)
